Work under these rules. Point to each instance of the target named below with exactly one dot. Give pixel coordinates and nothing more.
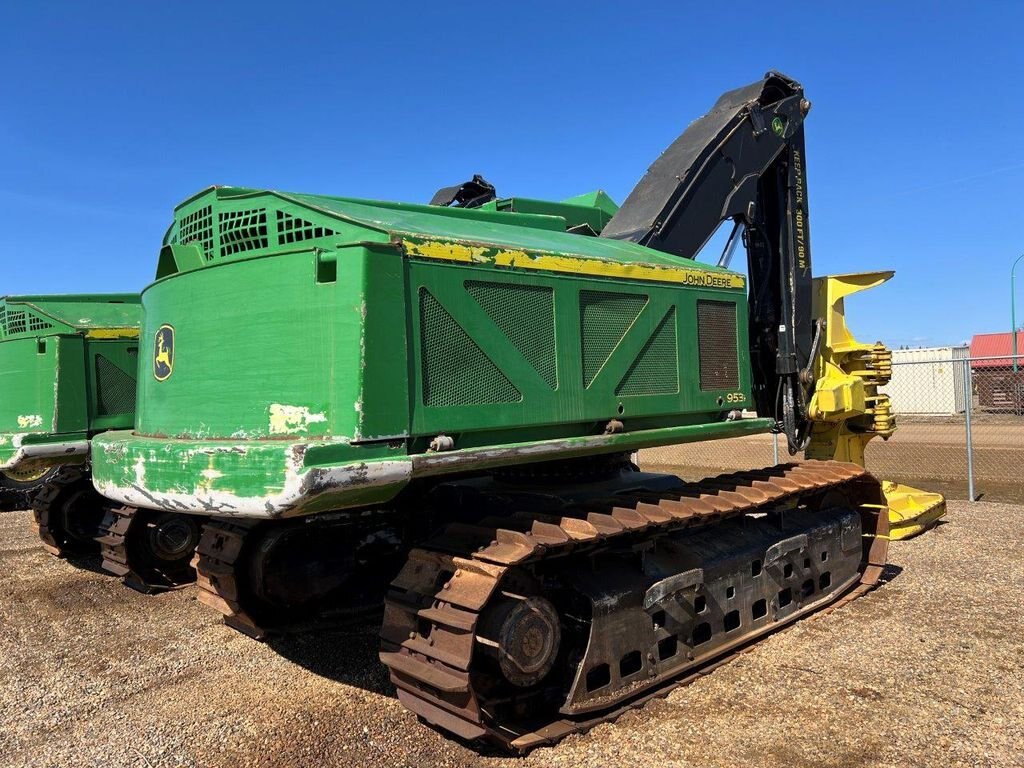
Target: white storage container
(928, 380)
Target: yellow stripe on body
(112, 333)
(447, 251)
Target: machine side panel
(71, 394)
(268, 348)
(383, 407)
(28, 381)
(501, 350)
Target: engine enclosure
(306, 353)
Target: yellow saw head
(847, 409)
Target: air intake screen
(115, 389)
(604, 320)
(14, 321)
(455, 370)
(656, 369)
(526, 314)
(716, 338)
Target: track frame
(430, 635)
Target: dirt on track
(925, 670)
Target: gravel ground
(926, 670)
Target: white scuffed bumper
(345, 485)
(50, 452)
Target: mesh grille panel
(455, 370)
(242, 231)
(716, 339)
(604, 320)
(292, 229)
(115, 389)
(656, 369)
(15, 321)
(197, 227)
(526, 314)
(38, 324)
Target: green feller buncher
(448, 395)
(68, 369)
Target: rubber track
(446, 587)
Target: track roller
(523, 635)
(152, 550)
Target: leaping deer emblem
(163, 358)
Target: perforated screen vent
(716, 341)
(604, 320)
(292, 229)
(242, 231)
(15, 321)
(455, 370)
(526, 314)
(656, 369)
(38, 324)
(197, 227)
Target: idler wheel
(159, 548)
(172, 537)
(525, 637)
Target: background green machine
(67, 371)
(68, 367)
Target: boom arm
(744, 161)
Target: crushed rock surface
(927, 670)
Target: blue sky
(111, 115)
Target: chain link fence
(960, 431)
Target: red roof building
(999, 388)
(994, 345)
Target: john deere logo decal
(163, 352)
(778, 125)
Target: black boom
(744, 161)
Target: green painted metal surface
(230, 224)
(306, 350)
(286, 478)
(592, 210)
(67, 370)
(22, 316)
